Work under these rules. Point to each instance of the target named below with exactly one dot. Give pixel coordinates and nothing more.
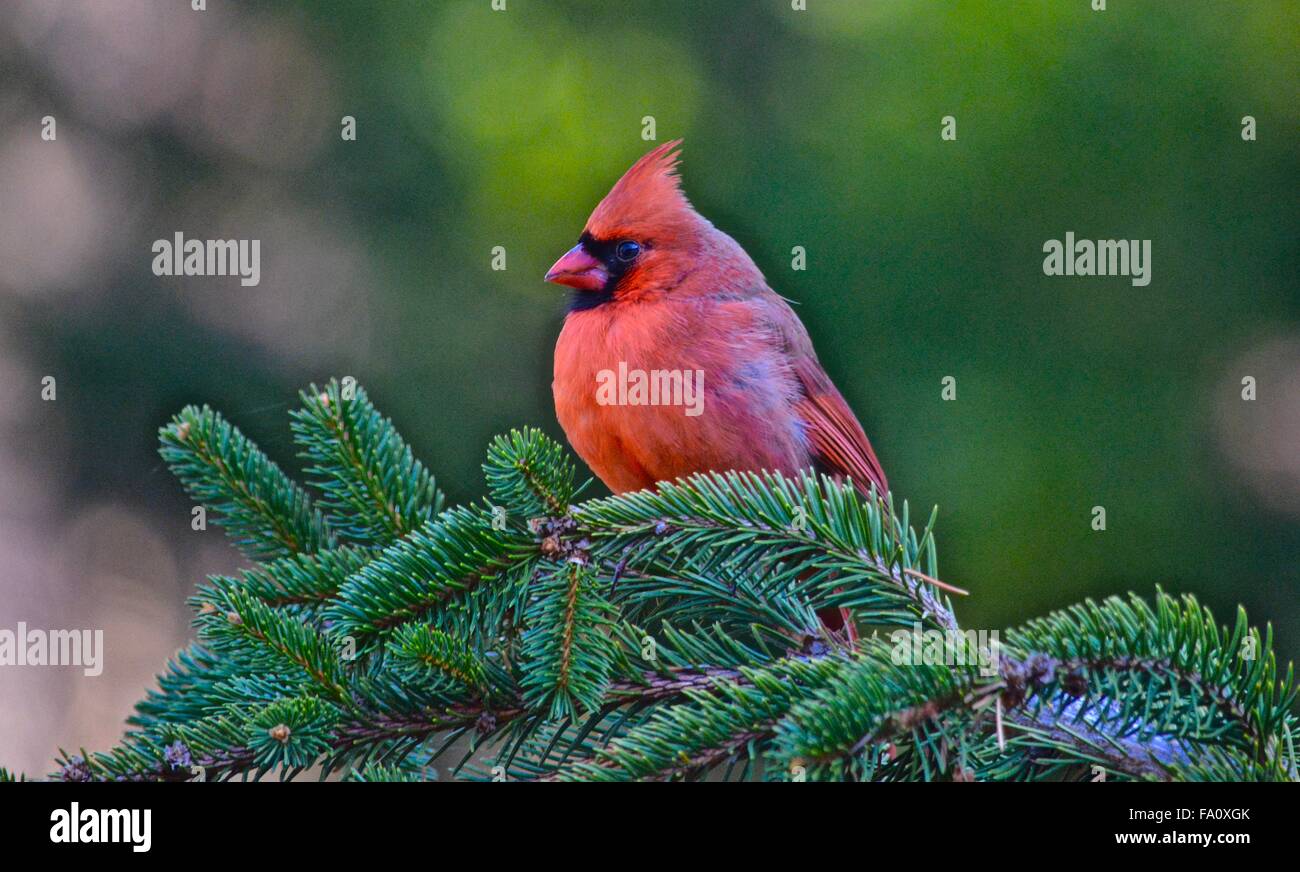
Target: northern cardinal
(658, 289)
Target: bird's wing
(836, 440)
(839, 445)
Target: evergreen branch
(227, 745)
(1167, 679)
(529, 474)
(379, 772)
(818, 537)
(711, 726)
(145, 755)
(567, 651)
(374, 488)
(300, 579)
(526, 641)
(655, 686)
(446, 558)
(877, 698)
(430, 649)
(265, 513)
(280, 639)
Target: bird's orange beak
(578, 269)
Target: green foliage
(528, 474)
(432, 567)
(428, 652)
(379, 772)
(566, 653)
(758, 546)
(1155, 687)
(722, 722)
(665, 635)
(373, 488)
(304, 579)
(846, 728)
(265, 513)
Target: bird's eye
(627, 250)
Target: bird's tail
(840, 622)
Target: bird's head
(636, 241)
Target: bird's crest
(647, 200)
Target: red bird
(663, 299)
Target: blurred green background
(478, 128)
